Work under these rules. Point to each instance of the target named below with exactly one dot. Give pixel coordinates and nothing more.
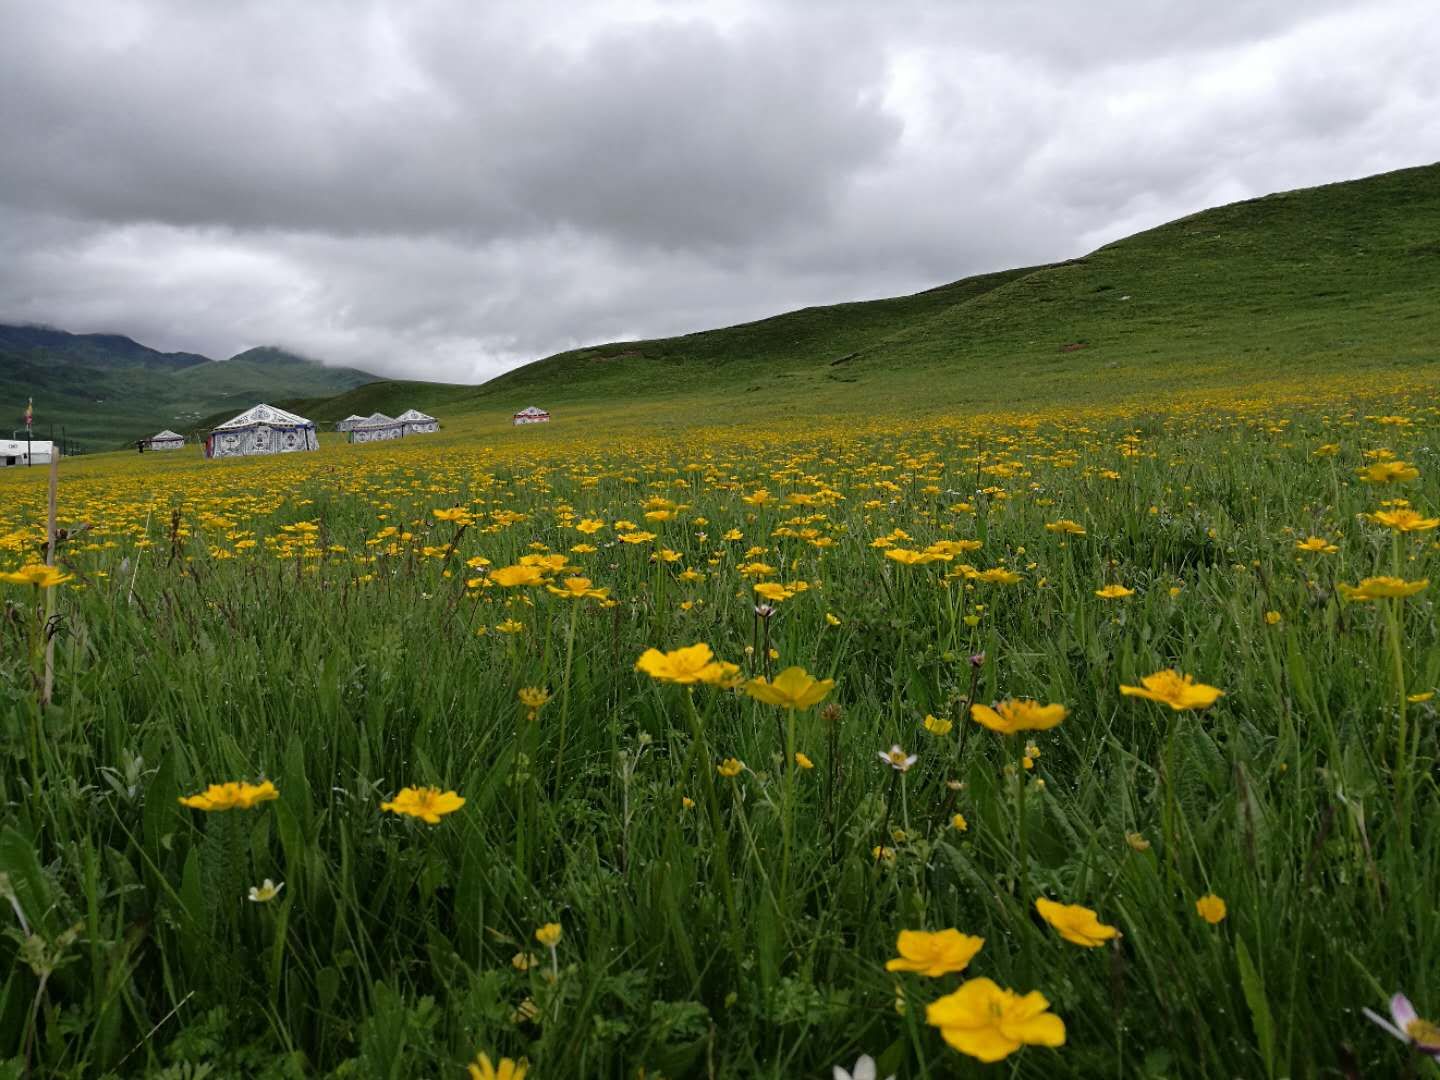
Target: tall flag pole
(29, 432)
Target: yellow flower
(1272, 618)
(1382, 588)
(1316, 544)
(1178, 691)
(511, 576)
(1211, 908)
(549, 935)
(1137, 842)
(793, 688)
(934, 954)
(1114, 592)
(482, 1069)
(773, 591)
(906, 557)
(998, 575)
(428, 804)
(577, 588)
(1008, 717)
(937, 725)
(832, 619)
(695, 663)
(958, 823)
(1387, 472)
(1065, 525)
(730, 767)
(1403, 520)
(510, 626)
(803, 761)
(458, 514)
(236, 795)
(37, 574)
(589, 526)
(636, 537)
(1076, 924)
(533, 698)
(1328, 450)
(1416, 699)
(989, 1022)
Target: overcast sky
(444, 190)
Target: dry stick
(50, 593)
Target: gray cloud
(443, 189)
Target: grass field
(350, 623)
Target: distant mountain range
(107, 389)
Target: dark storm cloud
(446, 189)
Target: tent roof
(532, 411)
(263, 414)
(379, 418)
(166, 434)
(352, 416)
(414, 414)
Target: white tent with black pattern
(262, 430)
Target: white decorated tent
(532, 415)
(377, 427)
(418, 423)
(166, 440)
(262, 430)
(349, 422)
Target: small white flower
(1408, 1027)
(864, 1070)
(263, 894)
(896, 759)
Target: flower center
(1425, 1033)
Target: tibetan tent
(532, 415)
(26, 452)
(417, 423)
(262, 430)
(377, 427)
(166, 440)
(349, 422)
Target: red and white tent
(532, 415)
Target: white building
(417, 423)
(349, 422)
(166, 440)
(532, 415)
(21, 452)
(262, 430)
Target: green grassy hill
(103, 390)
(1340, 278)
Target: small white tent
(349, 422)
(417, 423)
(166, 440)
(377, 427)
(532, 415)
(26, 452)
(262, 430)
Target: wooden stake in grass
(48, 689)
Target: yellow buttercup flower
(938, 725)
(1008, 717)
(730, 767)
(692, 664)
(36, 574)
(803, 760)
(236, 795)
(1075, 923)
(1382, 588)
(1211, 908)
(1316, 545)
(934, 954)
(428, 804)
(1178, 691)
(549, 935)
(577, 588)
(512, 576)
(990, 1023)
(1065, 525)
(793, 688)
(508, 1069)
(1387, 472)
(1114, 592)
(1404, 520)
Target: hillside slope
(1337, 278)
